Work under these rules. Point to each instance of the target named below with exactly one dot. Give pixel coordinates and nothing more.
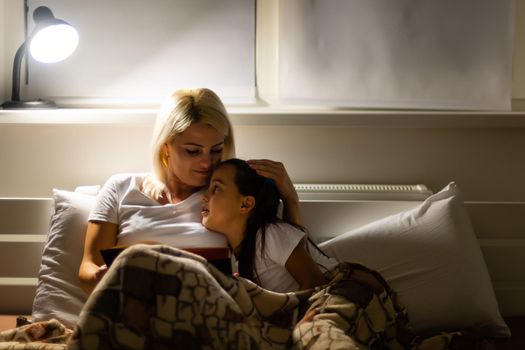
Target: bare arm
(303, 268)
(277, 172)
(99, 235)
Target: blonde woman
(192, 135)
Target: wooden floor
(7, 322)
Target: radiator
(332, 209)
(362, 192)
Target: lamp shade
(52, 40)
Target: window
(434, 54)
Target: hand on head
(277, 172)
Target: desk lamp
(52, 40)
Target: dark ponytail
(267, 200)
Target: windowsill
(269, 116)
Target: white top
(141, 218)
(280, 240)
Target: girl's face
(193, 154)
(223, 203)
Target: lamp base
(38, 104)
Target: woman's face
(193, 154)
(223, 202)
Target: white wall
(486, 162)
(518, 83)
(12, 29)
(2, 50)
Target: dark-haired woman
(243, 205)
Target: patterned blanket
(157, 297)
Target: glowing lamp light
(54, 43)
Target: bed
(422, 243)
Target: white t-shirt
(279, 241)
(141, 218)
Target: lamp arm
(17, 63)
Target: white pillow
(58, 293)
(431, 258)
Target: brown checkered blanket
(157, 297)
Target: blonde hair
(180, 110)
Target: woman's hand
(277, 172)
(90, 275)
(100, 272)
(99, 235)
